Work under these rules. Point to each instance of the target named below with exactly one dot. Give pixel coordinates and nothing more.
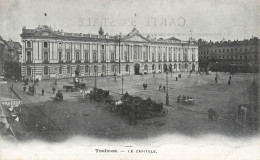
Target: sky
(206, 19)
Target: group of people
(162, 88)
(229, 80)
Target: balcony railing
(146, 60)
(28, 61)
(103, 61)
(78, 61)
(95, 61)
(60, 61)
(45, 61)
(68, 61)
(112, 61)
(86, 61)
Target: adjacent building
(237, 56)
(56, 54)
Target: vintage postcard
(129, 79)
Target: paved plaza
(77, 116)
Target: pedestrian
(229, 82)
(53, 90)
(24, 88)
(163, 88)
(43, 92)
(160, 86)
(216, 79)
(229, 77)
(176, 78)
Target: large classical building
(238, 56)
(56, 54)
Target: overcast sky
(207, 19)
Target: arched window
(153, 67)
(103, 57)
(45, 56)
(170, 56)
(68, 56)
(46, 70)
(45, 44)
(77, 56)
(29, 71)
(28, 44)
(135, 55)
(95, 68)
(60, 56)
(127, 68)
(29, 58)
(86, 57)
(186, 65)
(86, 68)
(112, 57)
(60, 70)
(126, 57)
(113, 68)
(94, 57)
(103, 68)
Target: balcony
(86, 61)
(68, 61)
(28, 61)
(146, 60)
(103, 61)
(45, 62)
(60, 61)
(153, 60)
(95, 61)
(78, 61)
(112, 61)
(159, 60)
(170, 60)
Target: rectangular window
(68, 69)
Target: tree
(12, 69)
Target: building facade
(55, 54)
(237, 56)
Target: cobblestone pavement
(75, 116)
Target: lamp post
(119, 40)
(95, 70)
(167, 93)
(122, 85)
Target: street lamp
(122, 85)
(167, 93)
(95, 70)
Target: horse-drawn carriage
(137, 108)
(185, 100)
(100, 95)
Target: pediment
(135, 38)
